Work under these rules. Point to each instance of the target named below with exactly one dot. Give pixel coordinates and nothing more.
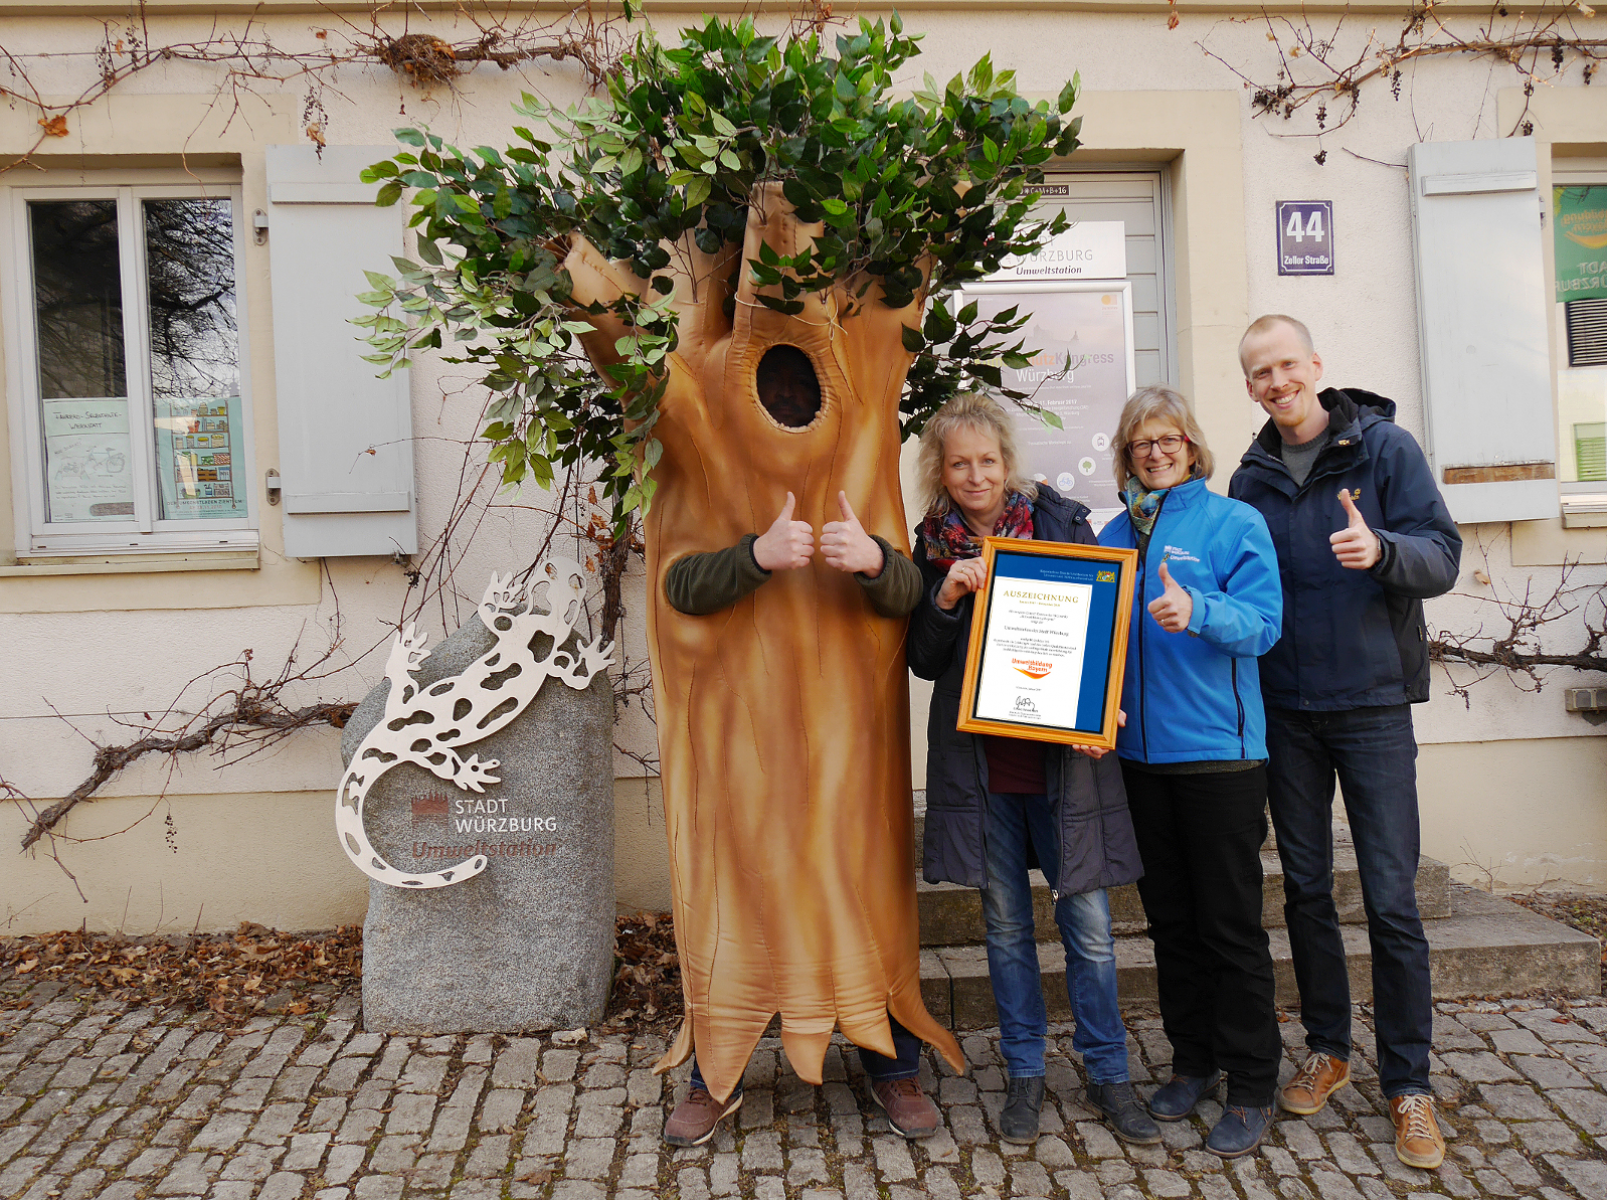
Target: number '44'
(1312, 229)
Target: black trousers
(1200, 838)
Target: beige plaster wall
(103, 647)
(193, 861)
(1517, 815)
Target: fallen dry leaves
(647, 975)
(231, 975)
(257, 969)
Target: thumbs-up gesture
(1355, 546)
(1173, 607)
(787, 543)
(847, 546)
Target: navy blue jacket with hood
(1351, 639)
(1097, 845)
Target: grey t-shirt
(1301, 458)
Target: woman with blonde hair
(997, 805)
(1193, 755)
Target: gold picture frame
(1063, 631)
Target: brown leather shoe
(693, 1121)
(909, 1111)
(1418, 1140)
(1319, 1077)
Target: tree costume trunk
(784, 720)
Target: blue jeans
(1015, 822)
(1374, 755)
(878, 1067)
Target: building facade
(205, 485)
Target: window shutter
(1481, 304)
(345, 436)
(1590, 451)
(1587, 332)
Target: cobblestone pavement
(104, 1099)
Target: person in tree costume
(753, 241)
(783, 713)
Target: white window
(1581, 351)
(125, 345)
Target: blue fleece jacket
(1196, 696)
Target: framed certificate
(1049, 642)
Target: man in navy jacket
(1363, 537)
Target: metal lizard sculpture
(428, 727)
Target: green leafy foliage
(920, 194)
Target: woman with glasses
(1193, 756)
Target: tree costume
(783, 721)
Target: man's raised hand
(1173, 607)
(1355, 546)
(787, 543)
(846, 546)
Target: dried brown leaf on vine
(55, 126)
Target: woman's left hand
(1173, 607)
(1101, 751)
(845, 544)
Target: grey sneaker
(1176, 1098)
(1122, 1111)
(1018, 1123)
(1239, 1131)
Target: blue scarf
(1143, 505)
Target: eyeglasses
(1170, 444)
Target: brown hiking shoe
(1319, 1077)
(909, 1111)
(693, 1121)
(1418, 1140)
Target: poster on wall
(87, 476)
(1083, 373)
(1580, 222)
(1087, 250)
(196, 439)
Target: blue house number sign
(1305, 237)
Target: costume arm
(1419, 546)
(1245, 617)
(700, 584)
(897, 590)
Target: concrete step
(1483, 946)
(952, 915)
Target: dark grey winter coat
(1097, 848)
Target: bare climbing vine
(229, 711)
(241, 717)
(1316, 64)
(248, 59)
(1519, 638)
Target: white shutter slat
(1481, 301)
(345, 436)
